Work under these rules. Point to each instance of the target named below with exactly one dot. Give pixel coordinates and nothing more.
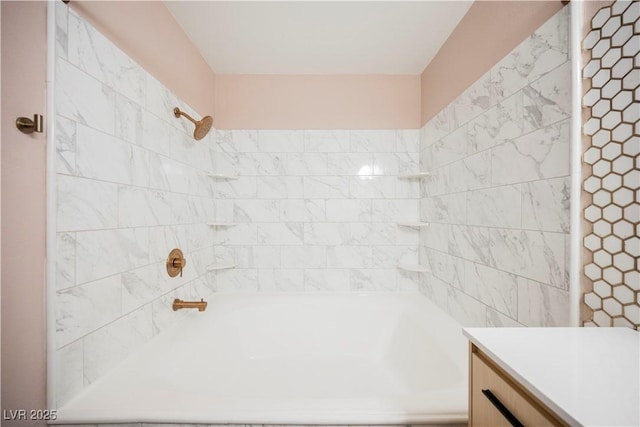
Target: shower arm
(178, 113)
(202, 126)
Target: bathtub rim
(370, 418)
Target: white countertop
(587, 376)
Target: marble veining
(436, 128)
(471, 243)
(446, 267)
(281, 280)
(65, 140)
(85, 204)
(281, 233)
(450, 148)
(408, 141)
(85, 308)
(372, 141)
(305, 256)
(390, 256)
(493, 287)
(540, 53)
(533, 254)
(93, 53)
(541, 305)
(497, 319)
(373, 279)
(338, 210)
(260, 210)
(309, 210)
(545, 205)
(499, 124)
(62, 31)
(330, 187)
(83, 99)
(476, 170)
(131, 185)
(539, 155)
(233, 141)
(385, 210)
(547, 100)
(496, 207)
(350, 164)
(326, 141)
(347, 256)
(469, 310)
(65, 261)
(373, 187)
(70, 367)
(497, 199)
(448, 208)
(106, 347)
(127, 118)
(318, 233)
(139, 286)
(313, 210)
(472, 102)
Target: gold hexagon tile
(612, 156)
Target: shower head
(202, 126)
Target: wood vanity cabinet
(496, 399)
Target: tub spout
(179, 304)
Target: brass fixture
(26, 125)
(202, 126)
(175, 263)
(178, 304)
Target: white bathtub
(291, 359)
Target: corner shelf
(414, 175)
(221, 266)
(415, 268)
(414, 224)
(221, 224)
(221, 176)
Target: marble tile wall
(498, 195)
(131, 185)
(316, 210)
(304, 211)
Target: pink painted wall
(23, 208)
(148, 33)
(317, 101)
(489, 31)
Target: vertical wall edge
(575, 268)
(51, 211)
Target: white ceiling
(318, 37)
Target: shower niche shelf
(416, 175)
(221, 266)
(416, 224)
(221, 224)
(414, 268)
(222, 176)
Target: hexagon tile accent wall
(612, 162)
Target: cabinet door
(485, 413)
